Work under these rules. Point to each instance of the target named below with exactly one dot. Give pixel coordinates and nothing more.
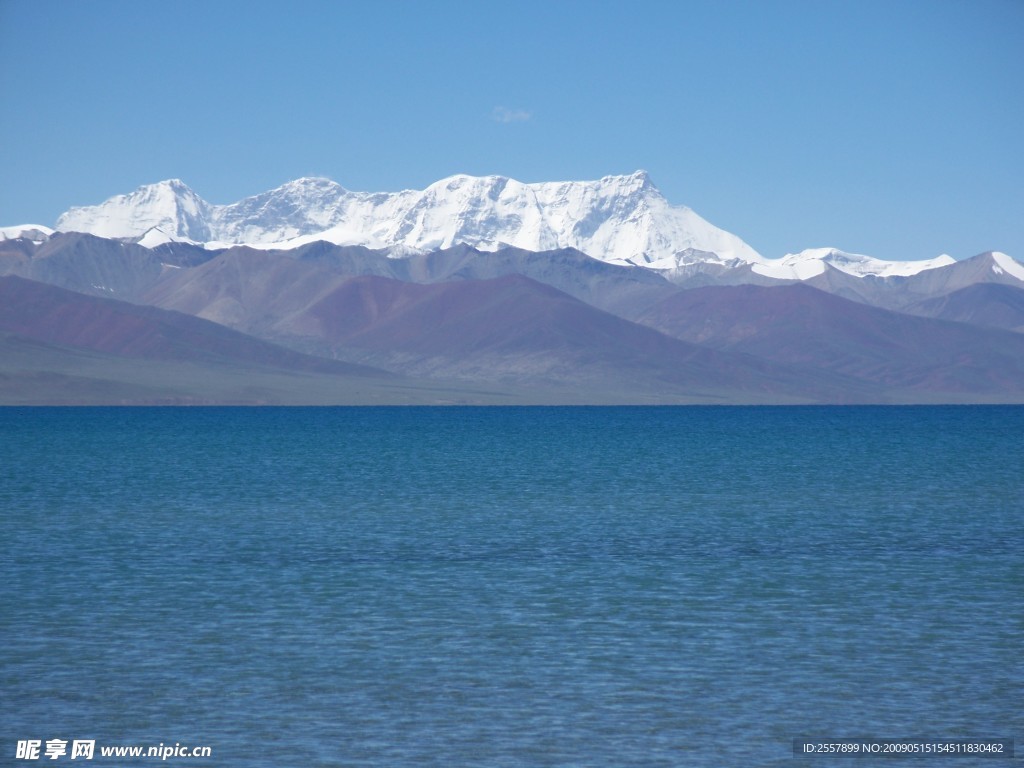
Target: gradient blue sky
(893, 128)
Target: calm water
(510, 587)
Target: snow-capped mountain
(616, 219)
(168, 205)
(621, 219)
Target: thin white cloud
(506, 115)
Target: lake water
(510, 586)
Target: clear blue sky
(890, 128)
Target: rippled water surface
(511, 587)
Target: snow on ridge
(37, 233)
(793, 266)
(860, 265)
(812, 261)
(155, 236)
(1007, 264)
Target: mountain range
(482, 290)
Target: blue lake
(511, 586)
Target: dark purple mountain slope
(53, 315)
(801, 325)
(514, 328)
